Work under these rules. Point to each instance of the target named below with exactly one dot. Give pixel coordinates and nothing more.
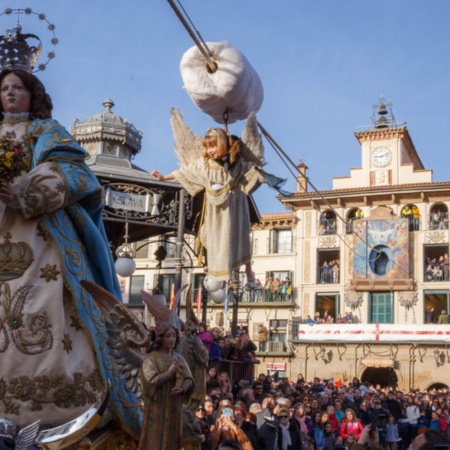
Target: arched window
(412, 213)
(439, 217)
(353, 214)
(327, 222)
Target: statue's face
(169, 339)
(14, 96)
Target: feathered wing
(126, 335)
(188, 146)
(159, 310)
(27, 435)
(252, 147)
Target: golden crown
(15, 258)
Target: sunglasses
(284, 417)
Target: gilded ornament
(67, 343)
(49, 272)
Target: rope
(212, 65)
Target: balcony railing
(237, 370)
(268, 296)
(436, 274)
(327, 226)
(328, 275)
(438, 221)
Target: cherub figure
(228, 169)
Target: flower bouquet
(13, 159)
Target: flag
(172, 295)
(199, 299)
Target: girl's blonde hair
(225, 144)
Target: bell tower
(389, 157)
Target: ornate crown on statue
(21, 51)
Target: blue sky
(322, 64)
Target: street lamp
(125, 265)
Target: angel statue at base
(228, 169)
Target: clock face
(381, 157)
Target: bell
(382, 111)
(382, 123)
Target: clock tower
(389, 157)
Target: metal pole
(235, 291)
(180, 236)
(205, 294)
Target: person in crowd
(429, 440)
(319, 439)
(302, 422)
(262, 337)
(393, 405)
(413, 414)
(230, 444)
(350, 424)
(226, 428)
(431, 318)
(350, 441)
(328, 436)
(200, 415)
(276, 288)
(216, 349)
(392, 436)
(205, 336)
(242, 420)
(212, 379)
(443, 318)
(338, 410)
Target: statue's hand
(176, 391)
(174, 367)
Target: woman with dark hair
(54, 362)
(167, 383)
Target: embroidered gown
(53, 354)
(226, 229)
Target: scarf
(286, 441)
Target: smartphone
(228, 412)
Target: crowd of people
(321, 415)
(272, 290)
(328, 318)
(329, 271)
(437, 269)
(226, 347)
(438, 220)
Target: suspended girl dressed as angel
(229, 170)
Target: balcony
(327, 227)
(438, 221)
(268, 296)
(328, 274)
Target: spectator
(413, 414)
(212, 379)
(430, 316)
(443, 318)
(216, 350)
(350, 425)
(392, 436)
(329, 436)
(428, 440)
(242, 420)
(393, 406)
(319, 438)
(302, 422)
(205, 336)
(262, 337)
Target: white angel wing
(27, 435)
(188, 146)
(252, 149)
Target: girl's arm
(161, 177)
